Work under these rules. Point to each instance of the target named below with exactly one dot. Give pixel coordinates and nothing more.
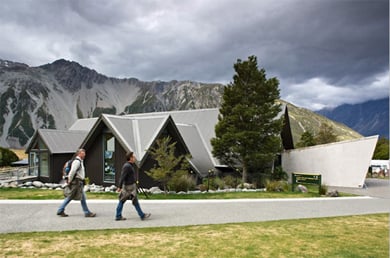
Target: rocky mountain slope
(56, 94)
(368, 118)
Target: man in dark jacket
(128, 189)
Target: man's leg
(87, 212)
(61, 209)
(119, 208)
(137, 207)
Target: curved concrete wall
(343, 164)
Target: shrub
(7, 157)
(276, 186)
(231, 181)
(181, 182)
(323, 189)
(279, 174)
(218, 183)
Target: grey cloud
(344, 43)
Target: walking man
(76, 184)
(128, 188)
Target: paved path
(30, 216)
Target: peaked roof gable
(58, 141)
(136, 133)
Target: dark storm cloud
(337, 48)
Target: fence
(14, 173)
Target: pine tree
(307, 139)
(326, 134)
(247, 132)
(168, 163)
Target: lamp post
(211, 172)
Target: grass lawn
(352, 236)
(39, 194)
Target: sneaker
(120, 218)
(62, 214)
(90, 215)
(147, 215)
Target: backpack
(67, 167)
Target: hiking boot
(146, 215)
(120, 218)
(62, 214)
(90, 215)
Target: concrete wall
(343, 164)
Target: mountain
(55, 95)
(302, 119)
(368, 118)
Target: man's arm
(73, 169)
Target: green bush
(7, 157)
(277, 186)
(181, 182)
(232, 182)
(279, 174)
(323, 189)
(218, 183)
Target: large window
(34, 164)
(44, 159)
(109, 158)
(39, 160)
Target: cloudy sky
(324, 52)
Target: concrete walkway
(30, 216)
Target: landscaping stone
(37, 184)
(302, 188)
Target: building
(108, 138)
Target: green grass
(352, 236)
(39, 194)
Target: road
(31, 216)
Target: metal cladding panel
(201, 157)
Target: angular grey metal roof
(136, 133)
(84, 124)
(204, 121)
(59, 141)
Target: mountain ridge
(55, 95)
(368, 118)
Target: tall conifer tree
(247, 131)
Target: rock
(87, 188)
(13, 184)
(334, 193)
(155, 190)
(302, 188)
(37, 184)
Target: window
(44, 166)
(34, 164)
(109, 158)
